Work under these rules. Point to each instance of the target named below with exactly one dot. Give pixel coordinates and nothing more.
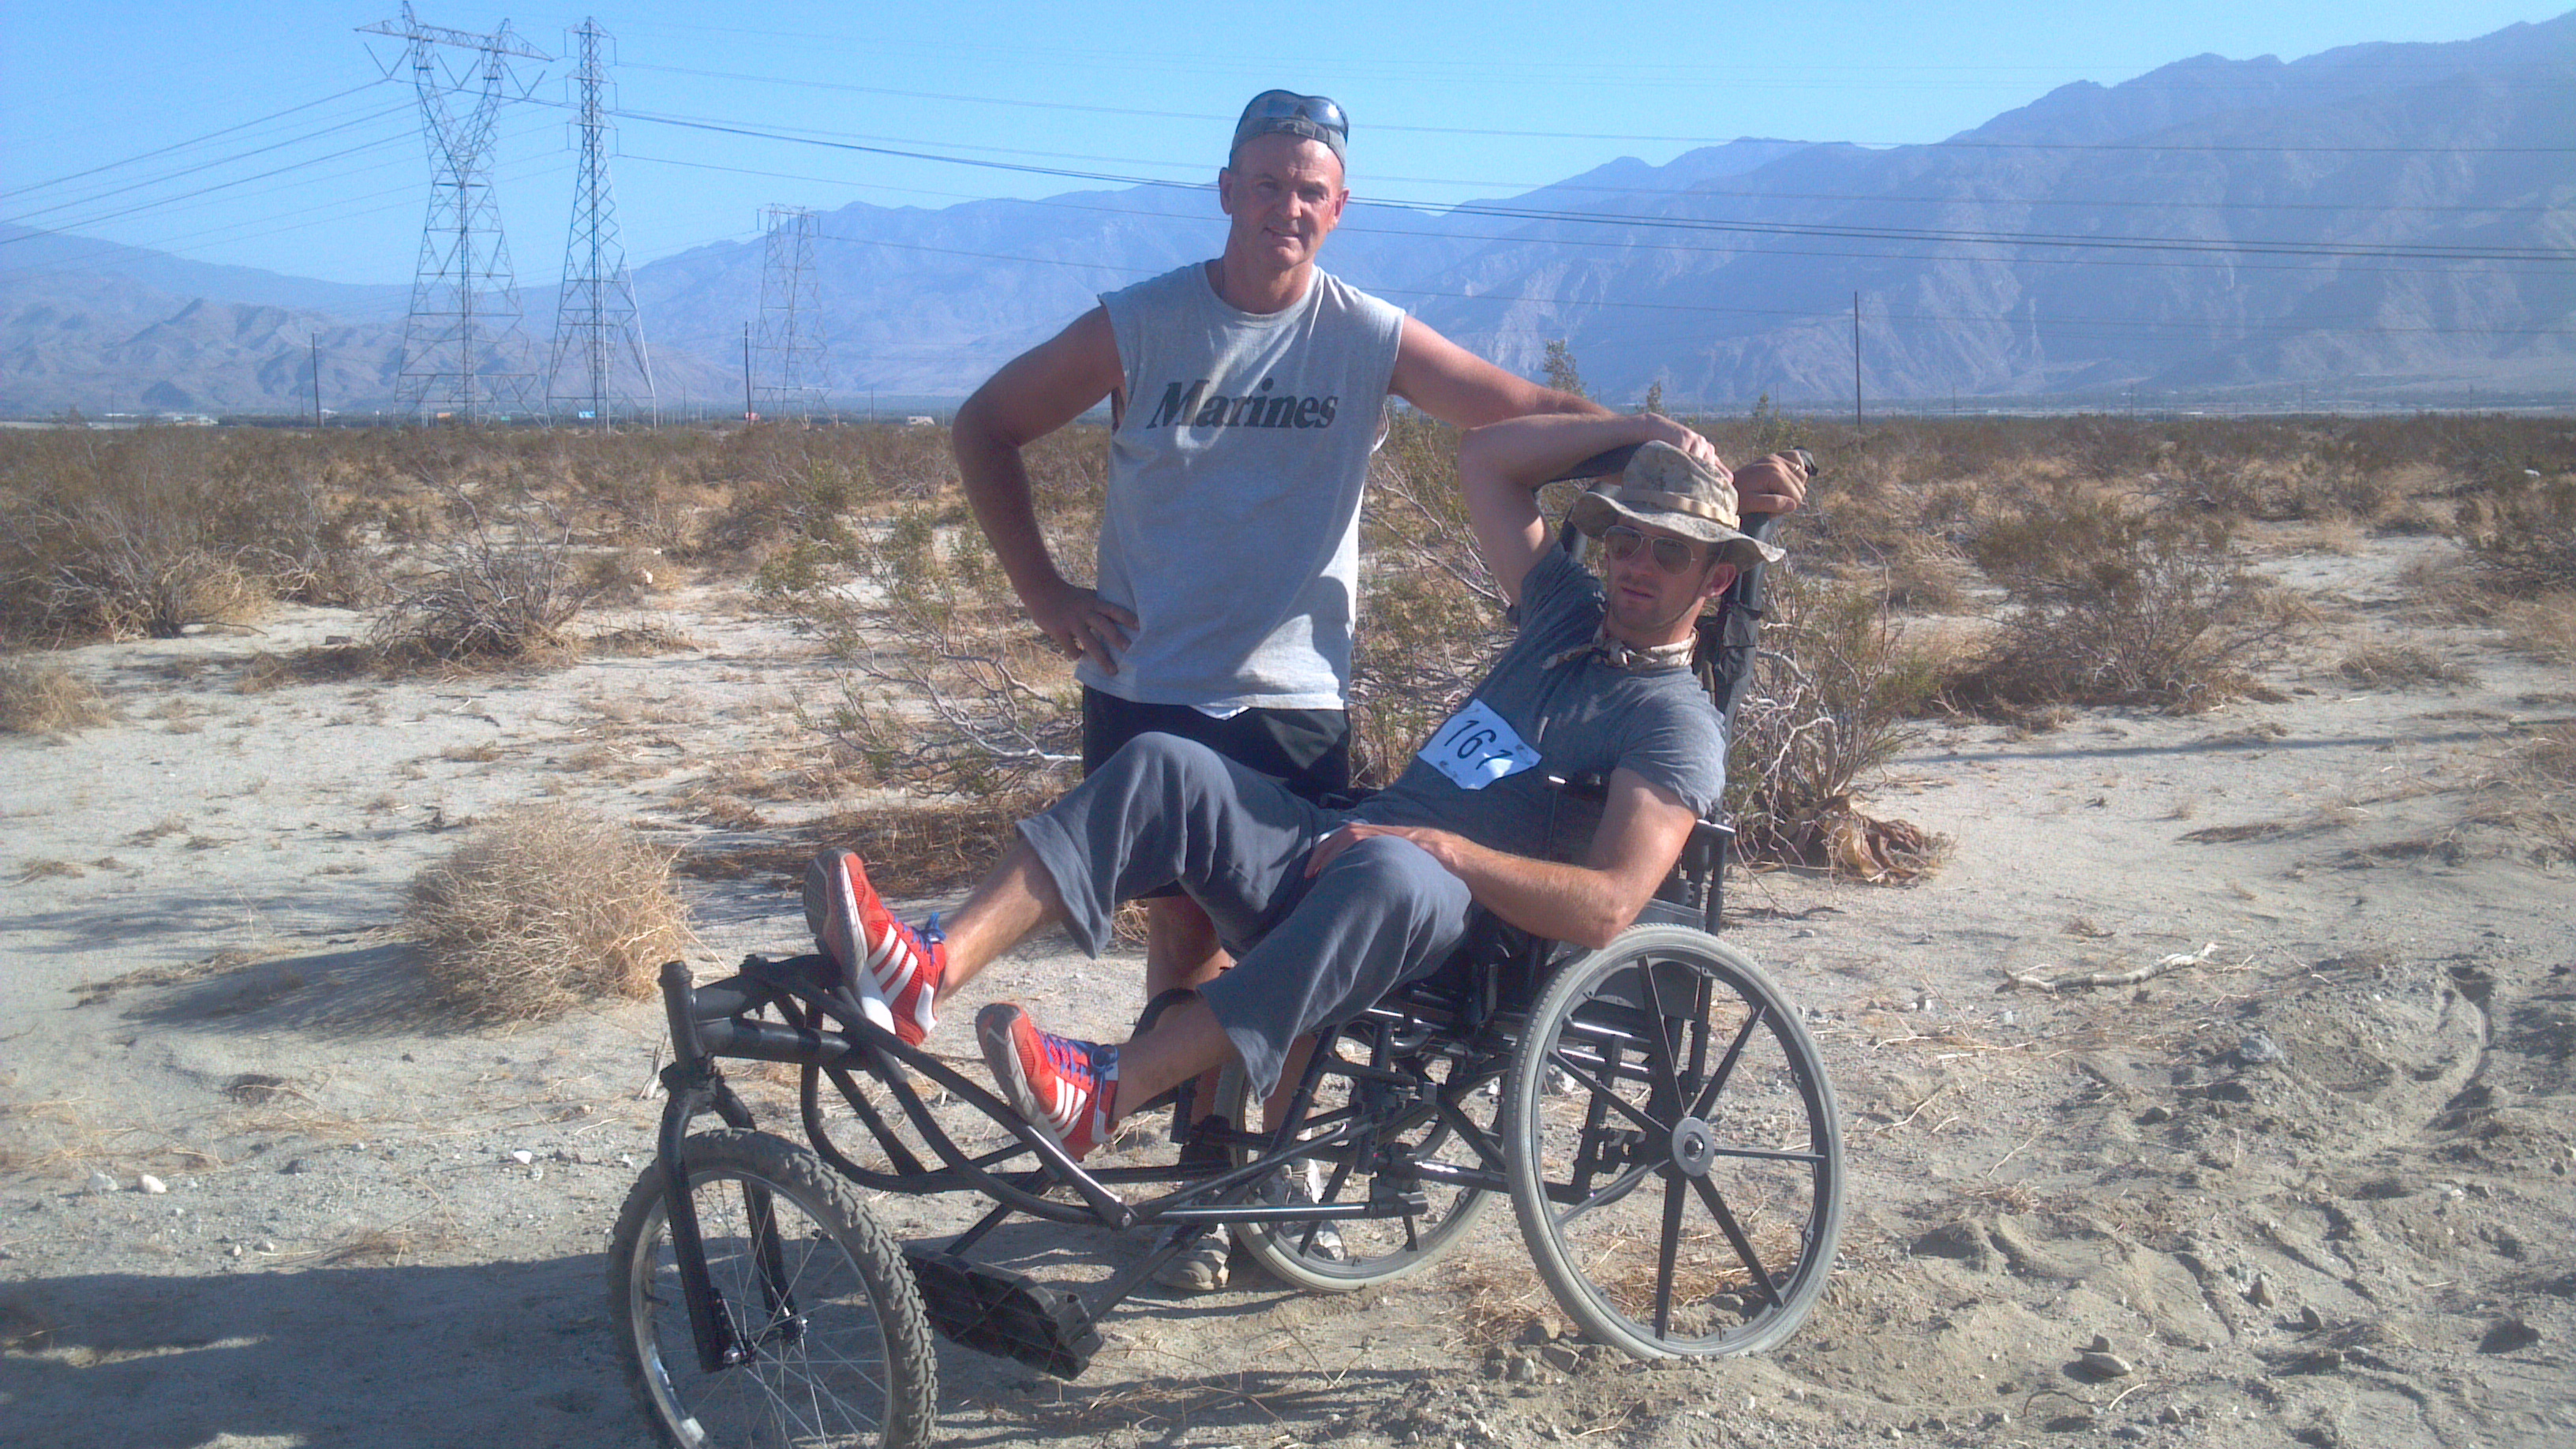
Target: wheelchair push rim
(1673, 1149)
(1452, 1130)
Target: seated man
(1324, 910)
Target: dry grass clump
(2544, 626)
(2533, 797)
(2401, 666)
(543, 909)
(39, 698)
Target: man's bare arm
(1034, 394)
(1502, 465)
(1464, 390)
(1642, 831)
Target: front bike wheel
(839, 1350)
(1686, 1196)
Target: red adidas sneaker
(892, 967)
(1066, 1088)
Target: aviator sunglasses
(1672, 555)
(1270, 106)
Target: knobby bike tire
(841, 1350)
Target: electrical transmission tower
(597, 327)
(793, 365)
(464, 353)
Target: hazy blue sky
(1447, 101)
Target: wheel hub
(1694, 1146)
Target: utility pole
(314, 343)
(596, 319)
(462, 344)
(794, 372)
(748, 414)
(1856, 413)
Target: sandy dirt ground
(2313, 1189)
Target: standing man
(1246, 395)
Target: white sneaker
(1198, 1268)
(1302, 1183)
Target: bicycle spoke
(1669, 1248)
(1735, 1234)
(1726, 1067)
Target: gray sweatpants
(1166, 811)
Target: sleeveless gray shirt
(1231, 524)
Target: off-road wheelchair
(1655, 1111)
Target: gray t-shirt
(1583, 716)
(1231, 522)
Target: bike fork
(691, 1093)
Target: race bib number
(1476, 748)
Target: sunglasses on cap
(1672, 555)
(1317, 118)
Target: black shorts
(1308, 750)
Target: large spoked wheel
(839, 1351)
(1674, 1154)
(1352, 1253)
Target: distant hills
(2379, 223)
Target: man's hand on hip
(1082, 624)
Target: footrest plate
(996, 1311)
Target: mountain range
(2374, 224)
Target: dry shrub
(945, 685)
(2521, 534)
(544, 909)
(2535, 794)
(1833, 686)
(2114, 603)
(779, 484)
(500, 590)
(39, 698)
(150, 531)
(1431, 616)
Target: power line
(1623, 244)
(1022, 102)
(207, 190)
(202, 167)
(2425, 251)
(340, 208)
(193, 141)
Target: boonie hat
(1286, 113)
(1664, 487)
